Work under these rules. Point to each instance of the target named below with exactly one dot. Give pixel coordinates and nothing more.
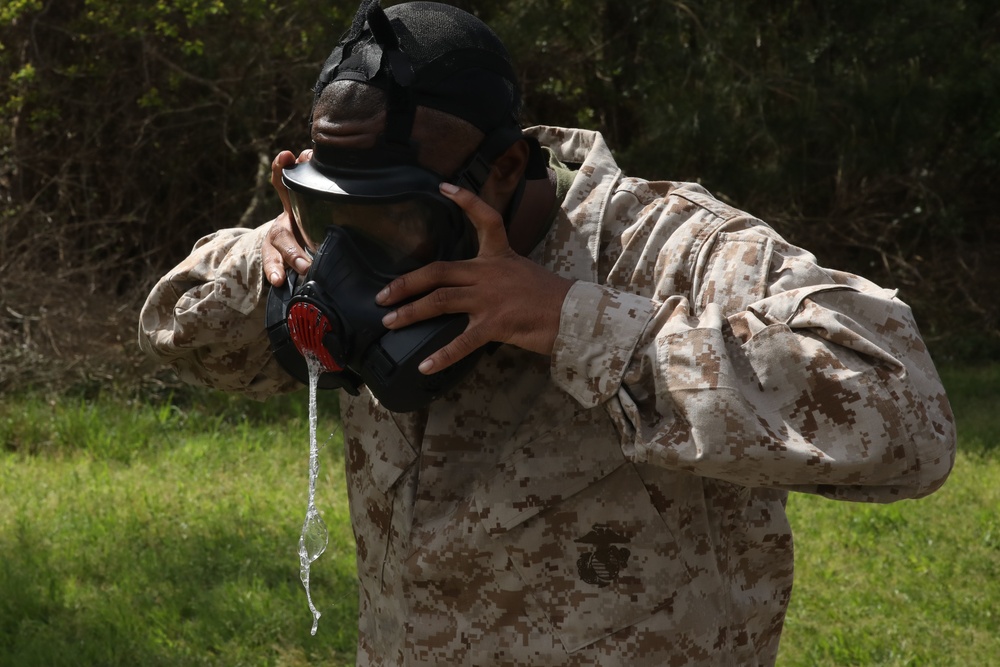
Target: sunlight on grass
(165, 534)
(183, 555)
(915, 582)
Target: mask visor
(397, 212)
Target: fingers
(281, 161)
(507, 297)
(492, 243)
(442, 301)
(486, 219)
(454, 293)
(451, 287)
(281, 249)
(462, 346)
(449, 300)
(420, 281)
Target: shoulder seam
(711, 204)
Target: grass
(164, 533)
(915, 582)
(140, 535)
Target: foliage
(132, 128)
(868, 132)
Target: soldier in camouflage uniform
(608, 486)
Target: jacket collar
(571, 250)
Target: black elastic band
(401, 109)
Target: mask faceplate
(333, 317)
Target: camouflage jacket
(622, 501)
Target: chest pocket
(582, 532)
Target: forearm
(788, 393)
(205, 318)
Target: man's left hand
(507, 297)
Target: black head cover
(427, 54)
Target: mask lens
(403, 231)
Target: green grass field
(165, 533)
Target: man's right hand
(281, 247)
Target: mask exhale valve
(308, 326)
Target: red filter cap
(307, 325)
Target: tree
(865, 131)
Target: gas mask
(365, 226)
(369, 216)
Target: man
(645, 371)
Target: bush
(867, 132)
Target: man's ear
(505, 175)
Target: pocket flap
(548, 470)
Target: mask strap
(474, 173)
(401, 108)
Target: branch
(261, 182)
(211, 85)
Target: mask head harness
(371, 215)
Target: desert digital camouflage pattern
(622, 502)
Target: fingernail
(448, 188)
(389, 319)
(382, 296)
(275, 277)
(301, 265)
(426, 365)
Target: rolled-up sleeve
(770, 372)
(205, 318)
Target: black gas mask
(364, 228)
(369, 216)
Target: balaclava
(433, 55)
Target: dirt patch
(69, 336)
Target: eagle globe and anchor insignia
(602, 565)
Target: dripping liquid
(314, 537)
